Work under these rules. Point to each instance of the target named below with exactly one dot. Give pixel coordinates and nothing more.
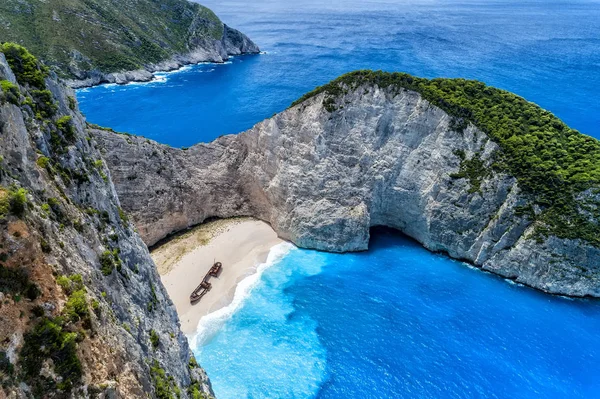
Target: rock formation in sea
(365, 152)
(83, 313)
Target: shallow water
(546, 51)
(397, 321)
(401, 322)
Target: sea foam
(210, 324)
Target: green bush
(76, 308)
(25, 66)
(109, 261)
(43, 162)
(17, 201)
(72, 103)
(43, 103)
(65, 125)
(11, 92)
(70, 284)
(50, 340)
(164, 386)
(194, 391)
(474, 170)
(154, 339)
(552, 162)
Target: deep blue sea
(397, 321)
(547, 51)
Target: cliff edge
(465, 169)
(83, 313)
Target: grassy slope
(114, 34)
(557, 166)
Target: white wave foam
(210, 324)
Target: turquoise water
(397, 321)
(546, 51)
(400, 322)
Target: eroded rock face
(71, 219)
(322, 179)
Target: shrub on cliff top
(24, 65)
(553, 163)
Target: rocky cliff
(360, 154)
(89, 42)
(83, 313)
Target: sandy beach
(240, 244)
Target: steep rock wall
(120, 323)
(323, 177)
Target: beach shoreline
(240, 244)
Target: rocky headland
(88, 42)
(375, 149)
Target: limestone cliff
(325, 171)
(83, 313)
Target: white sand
(239, 244)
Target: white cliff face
(323, 179)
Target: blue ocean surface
(396, 321)
(547, 51)
(400, 322)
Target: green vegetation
(110, 35)
(553, 163)
(43, 162)
(55, 209)
(72, 103)
(11, 92)
(164, 386)
(109, 261)
(56, 339)
(24, 65)
(154, 339)
(123, 216)
(65, 125)
(472, 169)
(70, 284)
(13, 201)
(50, 339)
(153, 303)
(195, 392)
(43, 104)
(76, 308)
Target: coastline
(146, 75)
(241, 244)
(218, 51)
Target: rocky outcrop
(233, 43)
(323, 177)
(95, 320)
(114, 41)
